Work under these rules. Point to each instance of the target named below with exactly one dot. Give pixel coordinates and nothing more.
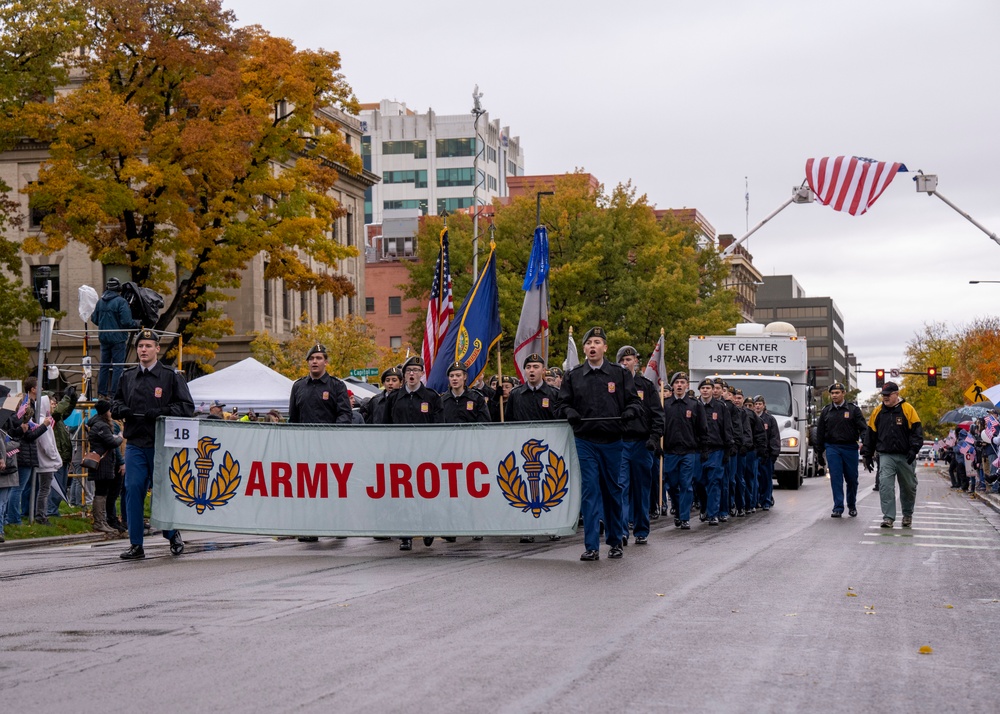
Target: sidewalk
(990, 499)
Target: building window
(819, 352)
(286, 302)
(336, 230)
(491, 183)
(35, 214)
(350, 229)
(54, 300)
(417, 147)
(417, 177)
(366, 153)
(369, 211)
(304, 307)
(447, 148)
(320, 307)
(491, 154)
(395, 342)
(455, 177)
(369, 304)
(420, 203)
(350, 306)
(268, 294)
(452, 204)
(396, 305)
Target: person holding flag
(640, 444)
(533, 327)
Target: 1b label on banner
(181, 433)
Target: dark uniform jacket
(719, 431)
(758, 434)
(746, 444)
(684, 425)
(736, 424)
(527, 404)
(466, 408)
(143, 396)
(843, 425)
(773, 435)
(422, 406)
(374, 409)
(650, 422)
(319, 401)
(894, 430)
(606, 392)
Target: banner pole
(663, 379)
(500, 383)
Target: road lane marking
(916, 535)
(931, 545)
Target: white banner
(446, 480)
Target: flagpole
(500, 382)
(663, 379)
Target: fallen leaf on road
(926, 649)
(850, 588)
(869, 612)
(949, 607)
(343, 604)
(792, 614)
(659, 594)
(852, 594)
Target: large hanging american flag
(440, 308)
(850, 183)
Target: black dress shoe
(853, 513)
(713, 521)
(836, 514)
(654, 515)
(702, 517)
(677, 523)
(673, 511)
(624, 541)
(135, 552)
(723, 519)
(616, 552)
(590, 555)
(428, 541)
(176, 543)
(641, 540)
(528, 539)
(406, 544)
(685, 525)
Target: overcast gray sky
(687, 99)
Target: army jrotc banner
(447, 480)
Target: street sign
(975, 392)
(366, 372)
(894, 372)
(945, 372)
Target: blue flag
(473, 332)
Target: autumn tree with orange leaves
(187, 147)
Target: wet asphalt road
(786, 611)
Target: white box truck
(772, 361)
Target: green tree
(188, 148)
(611, 263)
(934, 346)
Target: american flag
(440, 308)
(850, 183)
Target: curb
(991, 500)
(25, 543)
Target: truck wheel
(789, 480)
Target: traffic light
(879, 378)
(932, 376)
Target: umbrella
(993, 393)
(977, 411)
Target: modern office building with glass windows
(426, 161)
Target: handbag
(91, 460)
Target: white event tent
(245, 384)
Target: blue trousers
(4, 499)
(765, 481)
(54, 498)
(713, 472)
(737, 482)
(636, 470)
(750, 481)
(682, 470)
(138, 477)
(600, 469)
(656, 497)
(842, 465)
(111, 352)
(17, 504)
(728, 502)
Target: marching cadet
(745, 446)
(684, 433)
(144, 394)
(838, 430)
(728, 503)
(374, 409)
(718, 440)
(460, 405)
(765, 468)
(554, 377)
(533, 401)
(413, 403)
(754, 455)
(595, 397)
(318, 398)
(641, 441)
(502, 392)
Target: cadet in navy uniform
(745, 445)
(684, 432)
(413, 403)
(765, 467)
(372, 411)
(604, 394)
(535, 400)
(145, 393)
(460, 405)
(640, 444)
(841, 426)
(318, 398)
(715, 448)
(727, 503)
(756, 453)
